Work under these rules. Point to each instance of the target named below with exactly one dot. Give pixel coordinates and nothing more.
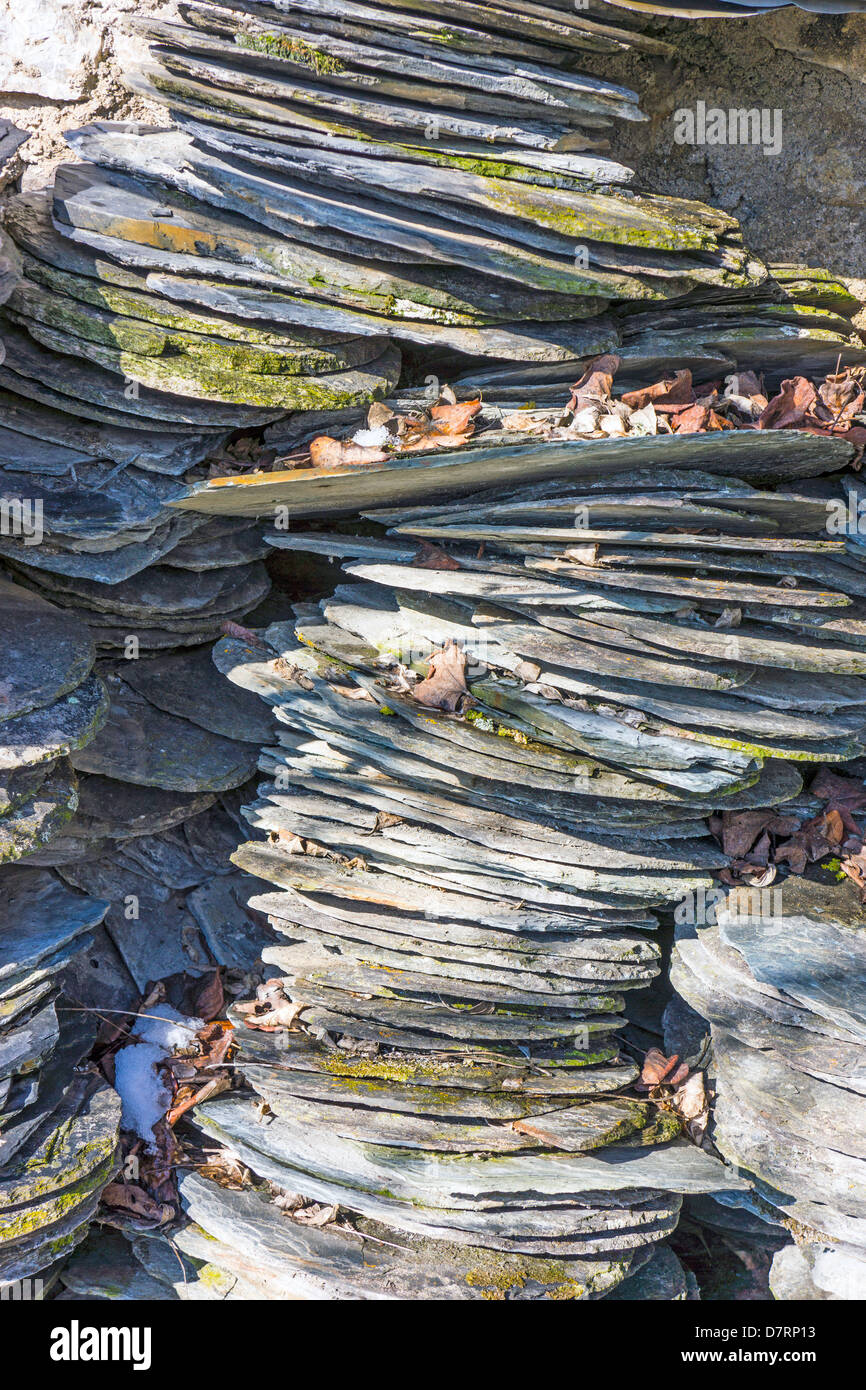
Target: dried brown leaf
(790, 407)
(445, 685)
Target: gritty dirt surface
(805, 203)
(93, 74)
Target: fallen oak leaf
(691, 1103)
(670, 392)
(691, 420)
(379, 414)
(739, 830)
(659, 1070)
(843, 791)
(431, 557)
(132, 1198)
(596, 383)
(812, 842)
(190, 1096)
(790, 407)
(530, 421)
(456, 418)
(216, 1041)
(277, 1015)
(208, 998)
(445, 685)
(444, 426)
(317, 1215)
(840, 396)
(244, 634)
(854, 867)
(833, 827)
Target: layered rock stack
(497, 744)
(58, 1125)
(469, 864)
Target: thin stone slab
(794, 1174)
(46, 653)
(68, 1161)
(108, 566)
(189, 686)
(56, 730)
(76, 1040)
(91, 390)
(162, 591)
(663, 1280)
(105, 1268)
(118, 810)
(18, 786)
(39, 915)
(679, 1168)
(33, 824)
(790, 1101)
(235, 934)
(142, 744)
(27, 1043)
(327, 1263)
(413, 478)
(810, 953)
(240, 547)
(96, 504)
(751, 1018)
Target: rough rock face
(783, 985)
(807, 66)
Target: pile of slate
(497, 745)
(89, 468)
(156, 820)
(463, 141)
(92, 466)
(460, 964)
(780, 975)
(58, 1122)
(103, 325)
(118, 815)
(338, 182)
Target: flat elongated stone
(188, 686)
(46, 655)
(141, 744)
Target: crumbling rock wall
(804, 203)
(60, 65)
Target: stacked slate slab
(156, 821)
(653, 630)
(58, 1125)
(780, 976)
(148, 590)
(90, 463)
(102, 460)
(461, 962)
(466, 142)
(339, 183)
(118, 815)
